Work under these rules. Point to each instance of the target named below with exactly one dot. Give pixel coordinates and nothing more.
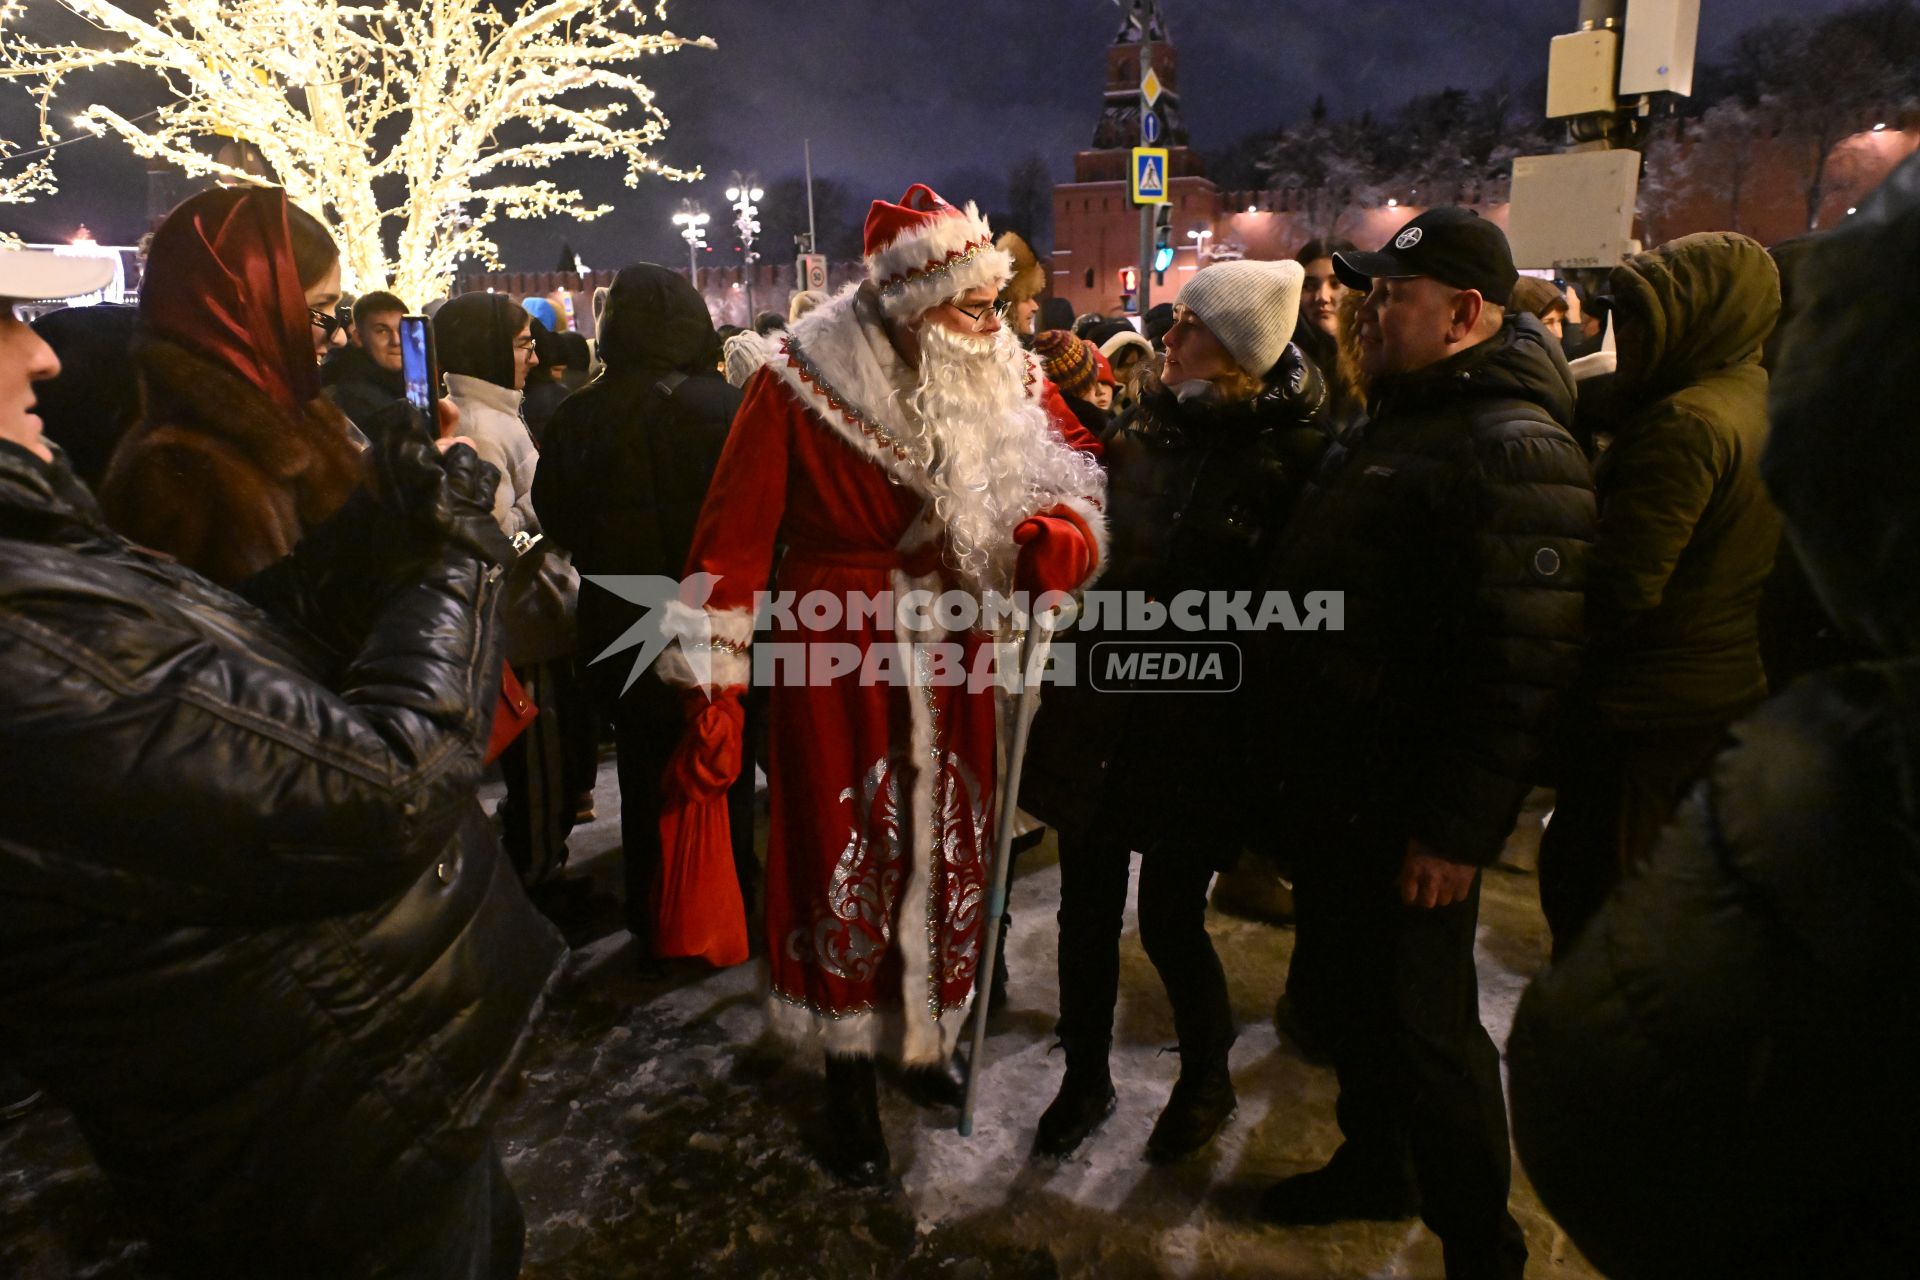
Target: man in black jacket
(364, 377)
(623, 470)
(1456, 523)
(255, 930)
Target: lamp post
(1200, 238)
(692, 221)
(744, 195)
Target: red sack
(696, 894)
(513, 711)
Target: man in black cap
(1456, 524)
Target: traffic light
(1162, 243)
(1129, 286)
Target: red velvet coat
(876, 863)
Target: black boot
(1201, 1102)
(997, 993)
(1349, 1188)
(1084, 1102)
(937, 1084)
(856, 1148)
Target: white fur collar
(840, 363)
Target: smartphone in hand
(420, 367)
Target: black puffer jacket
(627, 459)
(254, 926)
(359, 387)
(1197, 493)
(1457, 524)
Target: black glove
(446, 497)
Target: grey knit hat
(1250, 306)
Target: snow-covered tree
(407, 128)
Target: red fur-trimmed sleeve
(734, 539)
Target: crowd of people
(260, 936)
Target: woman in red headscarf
(236, 454)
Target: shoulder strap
(670, 384)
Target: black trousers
(1173, 929)
(647, 722)
(1616, 792)
(1419, 1076)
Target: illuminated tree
(411, 124)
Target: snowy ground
(655, 1139)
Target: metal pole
(1146, 210)
(693, 263)
(813, 239)
(1033, 659)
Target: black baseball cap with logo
(1455, 246)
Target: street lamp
(744, 195)
(692, 221)
(1200, 238)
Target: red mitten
(708, 758)
(1056, 552)
(697, 907)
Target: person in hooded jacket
(274, 963)
(1717, 1077)
(486, 347)
(1455, 526)
(1686, 543)
(1201, 477)
(236, 454)
(626, 467)
(487, 350)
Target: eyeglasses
(979, 314)
(327, 322)
(523, 344)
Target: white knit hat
(1250, 306)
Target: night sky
(952, 92)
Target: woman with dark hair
(236, 454)
(487, 350)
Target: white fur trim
(691, 661)
(921, 1039)
(840, 364)
(924, 268)
(987, 268)
(1096, 519)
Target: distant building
(1097, 227)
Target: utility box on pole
(1573, 210)
(1657, 53)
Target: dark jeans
(536, 816)
(1419, 1076)
(647, 721)
(1173, 928)
(1616, 792)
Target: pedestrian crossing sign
(1150, 176)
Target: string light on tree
(408, 129)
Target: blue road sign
(1150, 175)
(1150, 129)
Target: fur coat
(216, 474)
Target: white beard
(989, 452)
